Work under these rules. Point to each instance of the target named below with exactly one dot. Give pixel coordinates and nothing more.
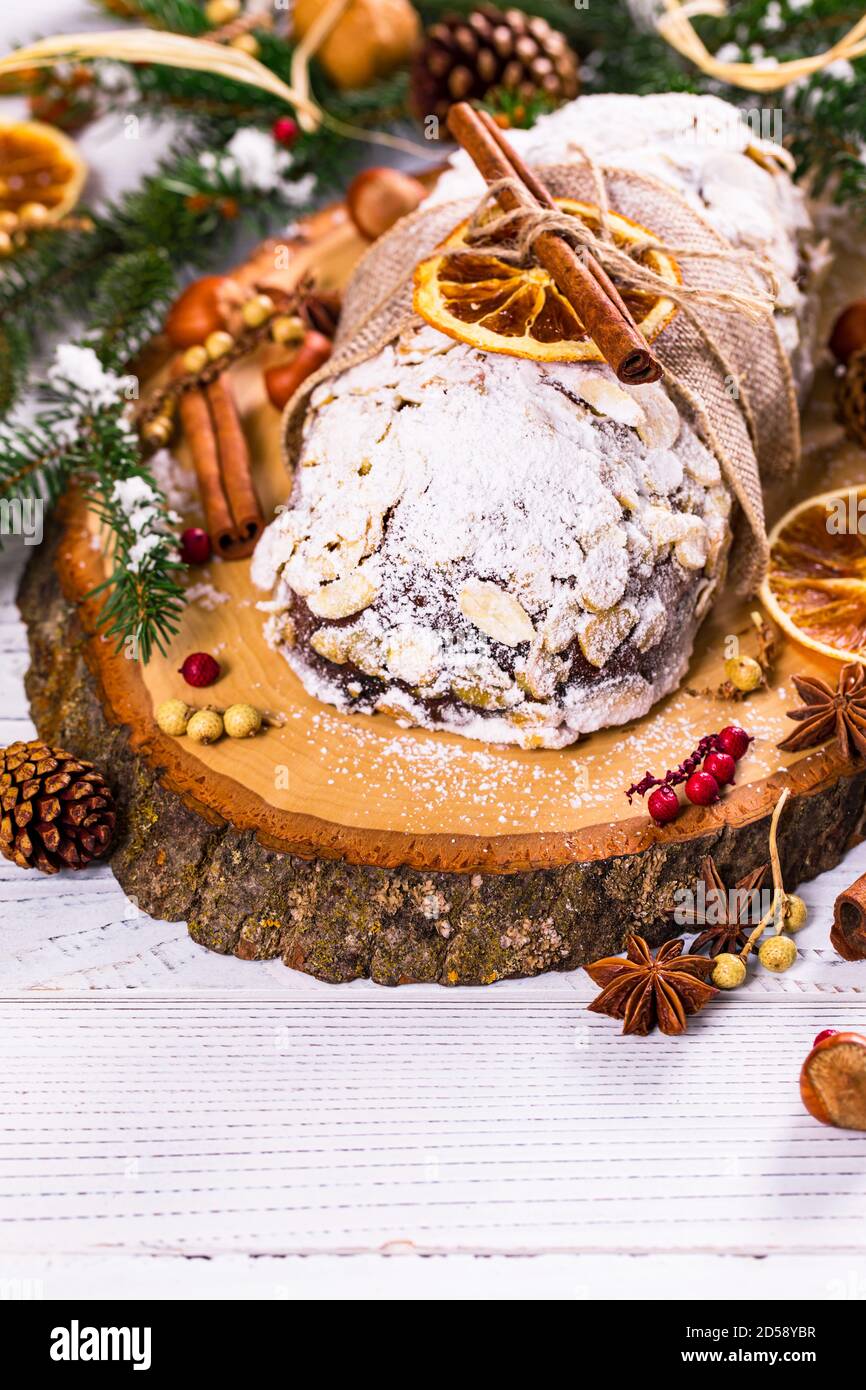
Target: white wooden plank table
(177, 1124)
(174, 1124)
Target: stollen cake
(515, 551)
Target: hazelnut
(196, 312)
(377, 198)
(849, 331)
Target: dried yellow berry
(33, 215)
(794, 913)
(242, 721)
(729, 971)
(173, 716)
(195, 358)
(158, 430)
(744, 673)
(257, 309)
(206, 726)
(220, 12)
(778, 954)
(288, 328)
(218, 343)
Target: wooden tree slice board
(354, 847)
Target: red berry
(721, 766)
(702, 789)
(200, 669)
(663, 805)
(825, 1033)
(734, 740)
(284, 130)
(195, 546)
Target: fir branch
(16, 350)
(82, 436)
(130, 303)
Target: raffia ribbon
(199, 55)
(675, 25)
(726, 368)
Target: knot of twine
(624, 263)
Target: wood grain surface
(370, 792)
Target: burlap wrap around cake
(522, 552)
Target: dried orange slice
(499, 307)
(815, 587)
(39, 164)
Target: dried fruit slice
(39, 164)
(815, 587)
(496, 306)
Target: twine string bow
(510, 236)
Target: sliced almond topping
(316, 560)
(719, 502)
(393, 705)
(495, 613)
(563, 620)
(608, 398)
(659, 425)
(663, 526)
(542, 674)
(691, 549)
(718, 534)
(601, 633)
(662, 471)
(414, 654)
(651, 625)
(700, 464)
(367, 650)
(602, 580)
(485, 685)
(342, 598)
(331, 643)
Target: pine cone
(463, 57)
(851, 398)
(56, 811)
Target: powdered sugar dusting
(518, 552)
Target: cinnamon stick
(584, 283)
(220, 457)
(235, 470)
(848, 936)
(195, 419)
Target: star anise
(829, 713)
(729, 911)
(645, 990)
